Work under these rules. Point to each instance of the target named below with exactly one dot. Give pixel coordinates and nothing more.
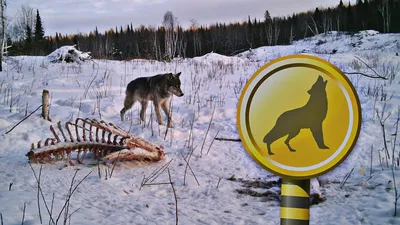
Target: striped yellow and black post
(295, 202)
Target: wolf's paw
(122, 115)
(161, 123)
(292, 150)
(270, 153)
(170, 124)
(323, 147)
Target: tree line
(170, 40)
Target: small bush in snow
(320, 42)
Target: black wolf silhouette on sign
(310, 116)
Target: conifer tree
(39, 31)
(38, 37)
(350, 18)
(28, 40)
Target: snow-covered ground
(95, 89)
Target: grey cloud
(71, 16)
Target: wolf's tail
(268, 141)
(268, 137)
(128, 103)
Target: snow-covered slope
(330, 43)
(95, 89)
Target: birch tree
(384, 10)
(291, 36)
(171, 34)
(25, 16)
(277, 31)
(196, 39)
(268, 27)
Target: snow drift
(68, 54)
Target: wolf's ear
(169, 76)
(320, 79)
(178, 74)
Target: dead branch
(396, 195)
(51, 210)
(114, 163)
(208, 129)
(382, 122)
(345, 178)
(41, 192)
(377, 74)
(23, 214)
(187, 163)
(176, 200)
(190, 137)
(380, 158)
(23, 119)
(395, 134)
(228, 139)
(308, 26)
(315, 26)
(70, 215)
(154, 175)
(212, 142)
(38, 199)
(98, 169)
(370, 167)
(365, 75)
(188, 160)
(219, 180)
(71, 192)
(150, 184)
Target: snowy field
(95, 89)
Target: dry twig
(176, 200)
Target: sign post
(298, 117)
(295, 202)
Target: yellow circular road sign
(299, 116)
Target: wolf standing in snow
(158, 89)
(310, 116)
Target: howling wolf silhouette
(310, 116)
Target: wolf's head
(174, 84)
(318, 87)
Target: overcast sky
(73, 16)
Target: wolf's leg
(290, 137)
(165, 107)
(128, 103)
(319, 136)
(158, 112)
(143, 111)
(273, 135)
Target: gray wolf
(158, 89)
(310, 116)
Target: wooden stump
(45, 105)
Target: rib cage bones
(103, 140)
